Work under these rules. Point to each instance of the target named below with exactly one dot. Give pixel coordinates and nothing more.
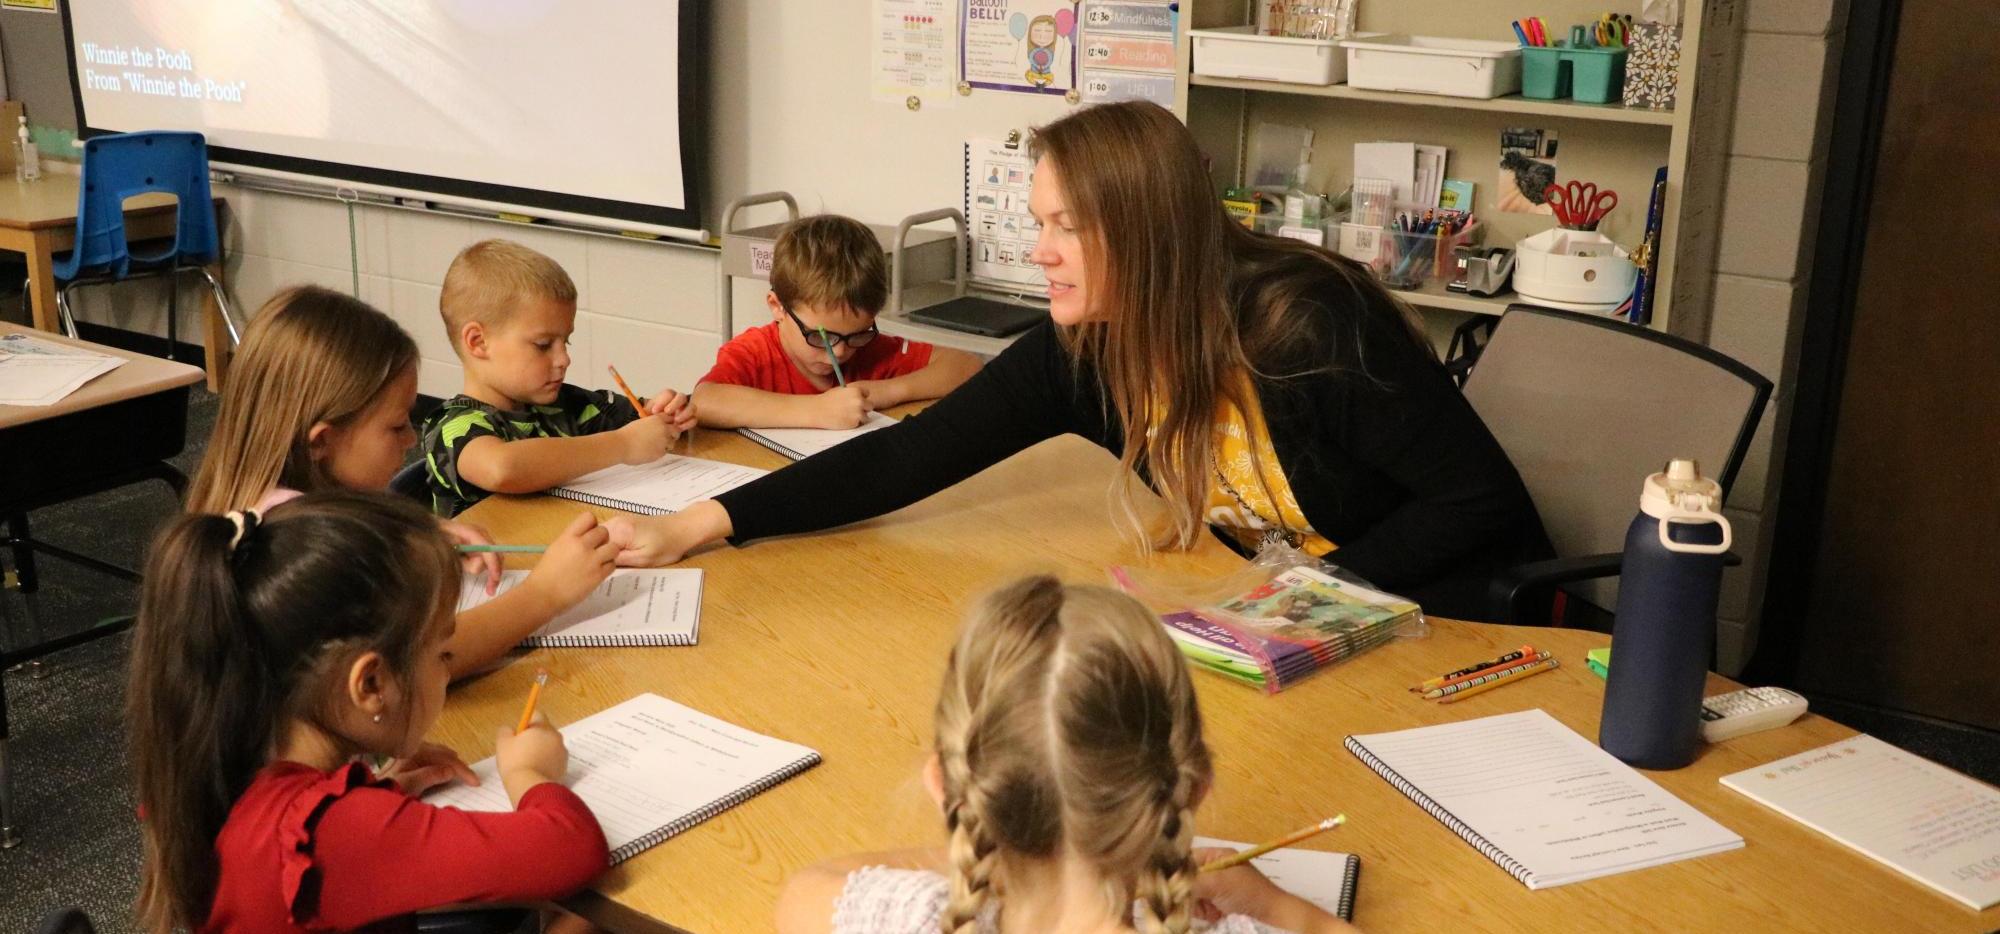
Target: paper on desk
(36, 372)
(1318, 876)
(801, 443)
(650, 768)
(652, 606)
(1898, 808)
(1541, 800)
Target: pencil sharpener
(1482, 270)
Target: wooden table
(116, 429)
(38, 219)
(838, 641)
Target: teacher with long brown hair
(1263, 387)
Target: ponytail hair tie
(245, 521)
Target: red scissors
(1579, 204)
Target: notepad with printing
(669, 484)
(801, 443)
(654, 606)
(1540, 801)
(1326, 879)
(650, 769)
(1895, 807)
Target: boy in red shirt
(828, 281)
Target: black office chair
(1586, 407)
(413, 481)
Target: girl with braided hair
(1069, 763)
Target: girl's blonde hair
(1188, 305)
(246, 624)
(311, 355)
(1067, 725)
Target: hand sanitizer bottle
(27, 159)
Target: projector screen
(580, 111)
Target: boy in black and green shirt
(517, 427)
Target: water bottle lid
(1679, 489)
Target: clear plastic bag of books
(1277, 620)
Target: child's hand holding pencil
(530, 752)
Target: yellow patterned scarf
(1250, 498)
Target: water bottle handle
(1695, 517)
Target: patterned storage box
(1653, 66)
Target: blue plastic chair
(117, 167)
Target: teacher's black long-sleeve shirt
(1385, 457)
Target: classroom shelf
(1433, 295)
(1513, 103)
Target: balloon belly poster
(1019, 45)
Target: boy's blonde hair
(489, 279)
(310, 355)
(827, 261)
(1067, 725)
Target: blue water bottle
(1664, 632)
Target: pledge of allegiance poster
(1018, 45)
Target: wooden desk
(838, 641)
(114, 430)
(38, 219)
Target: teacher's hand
(652, 541)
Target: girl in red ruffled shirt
(272, 653)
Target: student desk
(116, 429)
(838, 641)
(38, 219)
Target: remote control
(1726, 716)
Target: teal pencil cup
(1597, 75)
(1545, 72)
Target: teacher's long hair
(1185, 302)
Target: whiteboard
(485, 101)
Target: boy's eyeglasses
(814, 338)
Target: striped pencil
(1488, 677)
(1532, 671)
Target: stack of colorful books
(1284, 630)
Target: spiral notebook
(801, 443)
(670, 484)
(1540, 801)
(1325, 879)
(650, 769)
(655, 606)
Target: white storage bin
(1434, 65)
(1578, 269)
(1239, 52)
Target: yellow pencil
(534, 694)
(1510, 679)
(627, 389)
(1284, 841)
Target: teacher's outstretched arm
(1029, 393)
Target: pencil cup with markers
(1416, 247)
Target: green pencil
(832, 357)
(505, 549)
